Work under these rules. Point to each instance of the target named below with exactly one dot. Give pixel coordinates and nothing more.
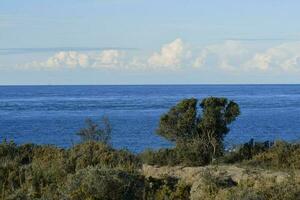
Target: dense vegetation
(91, 170)
(94, 170)
(198, 137)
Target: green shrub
(281, 155)
(192, 153)
(32, 171)
(245, 152)
(95, 153)
(167, 188)
(160, 157)
(100, 183)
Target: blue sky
(149, 42)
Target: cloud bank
(231, 56)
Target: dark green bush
(198, 136)
(281, 155)
(192, 153)
(183, 122)
(245, 152)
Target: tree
(217, 114)
(96, 132)
(182, 124)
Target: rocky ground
(230, 174)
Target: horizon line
(152, 84)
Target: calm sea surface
(53, 114)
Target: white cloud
(200, 60)
(69, 59)
(170, 55)
(73, 59)
(232, 56)
(225, 55)
(108, 58)
(284, 57)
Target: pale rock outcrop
(229, 173)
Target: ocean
(53, 114)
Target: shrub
(96, 132)
(160, 157)
(192, 153)
(281, 155)
(40, 172)
(263, 190)
(166, 188)
(245, 152)
(101, 183)
(95, 153)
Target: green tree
(180, 122)
(183, 124)
(96, 132)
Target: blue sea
(53, 114)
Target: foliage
(281, 155)
(95, 153)
(96, 132)
(246, 151)
(168, 188)
(90, 170)
(102, 183)
(191, 153)
(40, 172)
(264, 190)
(198, 138)
(182, 124)
(222, 188)
(94, 170)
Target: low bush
(281, 155)
(212, 187)
(102, 183)
(192, 153)
(264, 190)
(94, 153)
(40, 172)
(168, 188)
(245, 152)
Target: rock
(228, 175)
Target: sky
(54, 42)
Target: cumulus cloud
(225, 55)
(108, 58)
(67, 59)
(284, 57)
(232, 56)
(170, 55)
(240, 56)
(73, 59)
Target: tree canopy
(183, 122)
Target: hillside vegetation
(197, 167)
